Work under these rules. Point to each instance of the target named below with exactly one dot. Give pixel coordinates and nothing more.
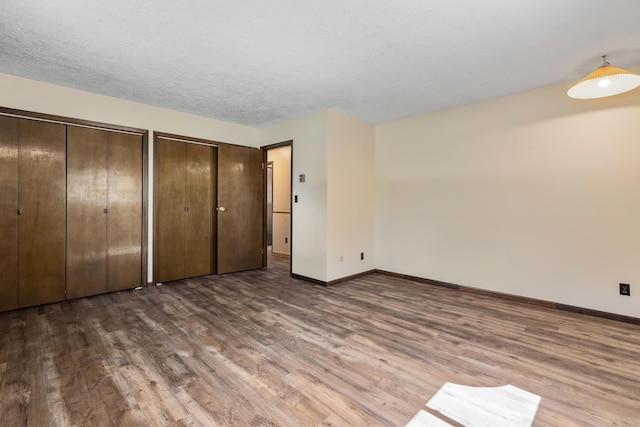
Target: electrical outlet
(625, 289)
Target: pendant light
(606, 80)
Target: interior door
(124, 221)
(197, 210)
(8, 213)
(87, 212)
(42, 201)
(170, 205)
(240, 208)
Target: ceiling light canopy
(606, 80)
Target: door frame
(265, 149)
(269, 212)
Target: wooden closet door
(214, 214)
(197, 210)
(8, 213)
(170, 203)
(240, 224)
(41, 197)
(124, 220)
(86, 215)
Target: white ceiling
(257, 62)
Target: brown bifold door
(8, 213)
(184, 192)
(240, 208)
(86, 215)
(124, 204)
(197, 212)
(42, 212)
(170, 204)
(104, 215)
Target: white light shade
(607, 80)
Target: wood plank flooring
(261, 349)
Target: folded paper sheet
(505, 406)
(425, 419)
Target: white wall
(309, 216)
(30, 95)
(533, 194)
(281, 158)
(350, 195)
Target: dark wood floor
(261, 349)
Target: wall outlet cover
(625, 289)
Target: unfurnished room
(320, 213)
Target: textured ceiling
(257, 62)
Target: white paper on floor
(505, 406)
(425, 419)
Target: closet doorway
(278, 212)
(208, 210)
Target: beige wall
(350, 195)
(281, 158)
(309, 215)
(24, 94)
(281, 233)
(533, 194)
(333, 219)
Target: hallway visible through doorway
(278, 183)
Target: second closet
(208, 207)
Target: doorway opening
(278, 159)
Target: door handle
(186, 208)
(221, 209)
(105, 210)
(20, 212)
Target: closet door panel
(8, 213)
(240, 225)
(41, 197)
(124, 220)
(197, 210)
(86, 216)
(170, 202)
(214, 213)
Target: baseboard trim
(309, 279)
(596, 313)
(510, 297)
(332, 282)
(280, 254)
(420, 279)
(518, 298)
(347, 278)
